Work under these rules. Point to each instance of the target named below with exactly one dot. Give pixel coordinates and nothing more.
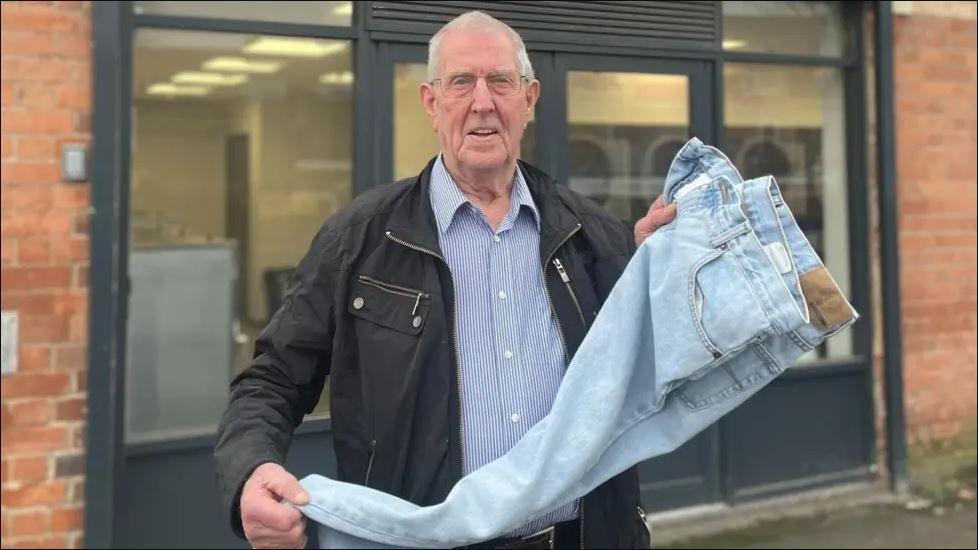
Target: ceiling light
(165, 88)
(344, 78)
(213, 79)
(734, 44)
(241, 64)
(294, 47)
(344, 9)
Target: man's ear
(532, 95)
(427, 94)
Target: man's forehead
(474, 49)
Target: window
(623, 131)
(238, 156)
(312, 13)
(803, 28)
(789, 122)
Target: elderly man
(444, 309)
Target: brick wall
(935, 87)
(46, 80)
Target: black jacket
(353, 312)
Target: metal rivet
(716, 354)
(417, 321)
(357, 302)
(723, 246)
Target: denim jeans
(710, 309)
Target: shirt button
(508, 354)
(502, 295)
(497, 238)
(515, 417)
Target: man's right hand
(267, 522)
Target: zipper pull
(560, 270)
(416, 302)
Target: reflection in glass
(789, 122)
(415, 142)
(237, 159)
(316, 13)
(623, 131)
(804, 28)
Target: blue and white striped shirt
(512, 358)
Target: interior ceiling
(161, 54)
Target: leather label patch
(826, 303)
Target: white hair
(484, 22)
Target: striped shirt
(510, 351)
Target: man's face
(480, 131)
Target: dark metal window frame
(114, 26)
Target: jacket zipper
(458, 361)
(395, 289)
(546, 287)
(560, 332)
(564, 277)
(370, 461)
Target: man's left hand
(657, 216)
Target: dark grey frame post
(890, 251)
(109, 288)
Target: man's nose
(482, 100)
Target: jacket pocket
(389, 305)
(723, 307)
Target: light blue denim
(707, 312)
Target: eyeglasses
(500, 83)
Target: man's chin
(482, 161)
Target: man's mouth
(482, 132)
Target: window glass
(237, 159)
(804, 28)
(318, 13)
(789, 122)
(623, 131)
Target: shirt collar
(446, 197)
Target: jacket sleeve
(284, 381)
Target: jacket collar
(413, 220)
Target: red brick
(34, 304)
(70, 250)
(35, 172)
(44, 328)
(8, 251)
(42, 20)
(33, 278)
(36, 147)
(34, 358)
(73, 408)
(32, 412)
(26, 43)
(40, 542)
(18, 224)
(50, 121)
(66, 519)
(34, 250)
(72, 196)
(70, 358)
(35, 439)
(26, 197)
(28, 469)
(31, 522)
(35, 385)
(6, 93)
